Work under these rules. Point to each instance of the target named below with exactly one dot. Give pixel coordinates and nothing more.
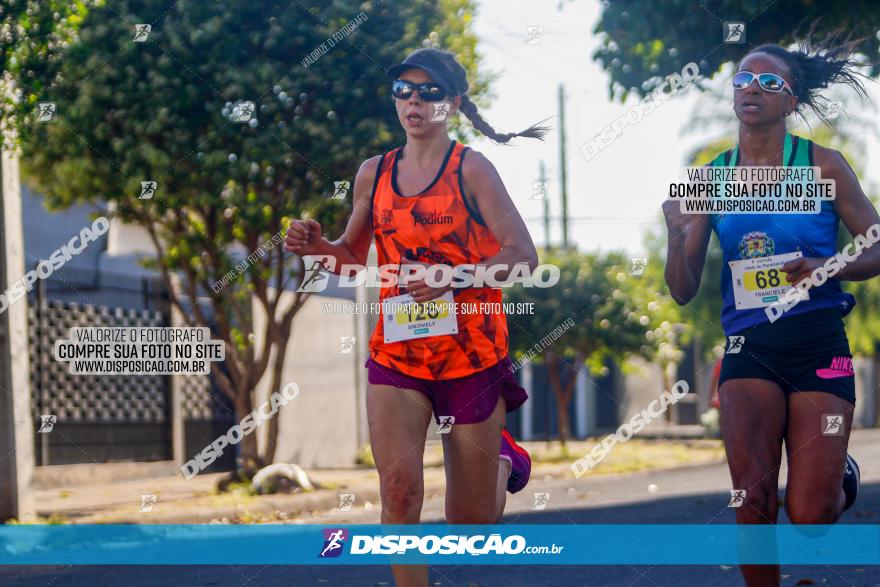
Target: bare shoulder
(831, 161)
(369, 168)
(476, 165)
(366, 176)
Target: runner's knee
(402, 491)
(759, 506)
(803, 508)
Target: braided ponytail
(469, 109)
(445, 70)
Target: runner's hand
(418, 289)
(799, 269)
(303, 237)
(676, 222)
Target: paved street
(692, 495)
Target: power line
(608, 219)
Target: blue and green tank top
(743, 236)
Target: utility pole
(543, 180)
(16, 424)
(562, 167)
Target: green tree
(615, 315)
(642, 41)
(673, 325)
(33, 36)
(163, 110)
(702, 315)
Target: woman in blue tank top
(787, 372)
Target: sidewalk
(179, 501)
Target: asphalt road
(695, 495)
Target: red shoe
(520, 462)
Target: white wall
(125, 239)
(867, 377)
(640, 388)
(320, 427)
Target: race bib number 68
(760, 281)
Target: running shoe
(851, 476)
(520, 462)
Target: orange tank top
(436, 226)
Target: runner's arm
(687, 242)
(855, 210)
(484, 190)
(353, 246)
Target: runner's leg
(398, 421)
(501, 489)
(473, 475)
(753, 413)
(814, 492)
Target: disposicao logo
(334, 540)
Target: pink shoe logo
(840, 367)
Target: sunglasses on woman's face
(427, 92)
(769, 82)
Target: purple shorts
(469, 399)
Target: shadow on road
(696, 509)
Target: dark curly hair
(814, 67)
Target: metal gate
(105, 418)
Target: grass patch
(52, 520)
(365, 457)
(642, 455)
(555, 452)
(235, 493)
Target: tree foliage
(644, 41)
(164, 109)
(33, 36)
(615, 315)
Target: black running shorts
(804, 352)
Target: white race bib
(404, 319)
(759, 282)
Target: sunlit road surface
(693, 495)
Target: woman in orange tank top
(430, 204)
